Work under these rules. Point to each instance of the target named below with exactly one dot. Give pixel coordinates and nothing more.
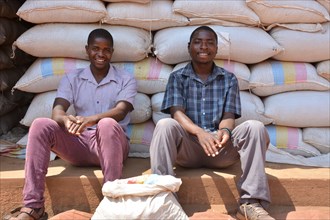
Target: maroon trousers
(106, 146)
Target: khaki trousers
(171, 145)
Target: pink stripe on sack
(155, 68)
(148, 131)
(301, 72)
(69, 65)
(229, 66)
(293, 138)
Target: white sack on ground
(241, 44)
(142, 197)
(323, 69)
(271, 77)
(69, 40)
(252, 109)
(234, 11)
(299, 108)
(302, 46)
(295, 11)
(241, 71)
(41, 106)
(276, 155)
(318, 137)
(152, 16)
(87, 11)
(142, 109)
(289, 139)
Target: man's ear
(86, 48)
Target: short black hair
(99, 32)
(206, 28)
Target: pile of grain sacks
(12, 106)
(279, 51)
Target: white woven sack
(315, 45)
(299, 109)
(318, 137)
(235, 11)
(137, 1)
(156, 104)
(151, 74)
(142, 109)
(323, 69)
(325, 3)
(140, 138)
(241, 44)
(157, 116)
(275, 155)
(69, 40)
(142, 197)
(152, 16)
(252, 109)
(213, 21)
(241, 71)
(295, 11)
(45, 74)
(41, 107)
(289, 139)
(87, 11)
(317, 27)
(271, 77)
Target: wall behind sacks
(247, 40)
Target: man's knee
(165, 123)
(107, 123)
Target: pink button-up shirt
(89, 97)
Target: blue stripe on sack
(278, 72)
(47, 67)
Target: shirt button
(204, 99)
(203, 113)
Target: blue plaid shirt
(203, 102)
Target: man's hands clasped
(213, 142)
(77, 124)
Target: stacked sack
(279, 51)
(12, 66)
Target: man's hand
(77, 124)
(210, 143)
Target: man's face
(203, 47)
(100, 52)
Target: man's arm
(225, 128)
(208, 141)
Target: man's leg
(251, 140)
(44, 135)
(112, 147)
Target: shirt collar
(189, 71)
(87, 75)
